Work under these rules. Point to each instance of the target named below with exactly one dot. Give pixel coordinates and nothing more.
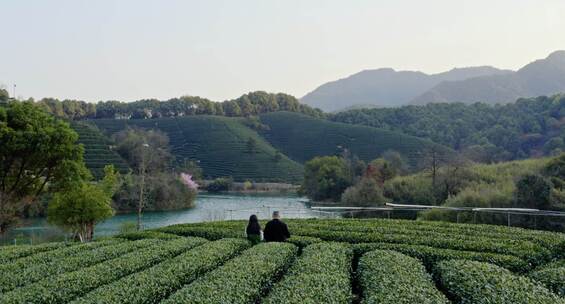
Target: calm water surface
(207, 208)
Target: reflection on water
(207, 208)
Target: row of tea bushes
(147, 234)
(545, 238)
(240, 280)
(531, 252)
(389, 277)
(68, 286)
(552, 276)
(339, 231)
(303, 241)
(38, 271)
(483, 283)
(549, 241)
(158, 282)
(430, 255)
(209, 233)
(10, 253)
(19, 265)
(322, 274)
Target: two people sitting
(275, 230)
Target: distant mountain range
(388, 88)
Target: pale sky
(132, 49)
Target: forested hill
(526, 128)
(272, 148)
(253, 103)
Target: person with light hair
(276, 230)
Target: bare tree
(147, 152)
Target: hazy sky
(127, 50)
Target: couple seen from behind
(275, 230)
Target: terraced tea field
(303, 137)
(325, 261)
(220, 146)
(97, 152)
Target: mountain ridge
(386, 87)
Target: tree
(231, 108)
(4, 96)
(251, 145)
(325, 178)
(147, 151)
(381, 170)
(79, 209)
(191, 167)
(366, 192)
(36, 150)
(533, 191)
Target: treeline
(250, 104)
(529, 127)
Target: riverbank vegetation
(42, 172)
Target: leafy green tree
(36, 150)
(231, 108)
(4, 96)
(533, 191)
(325, 178)
(79, 209)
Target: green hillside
(220, 144)
(302, 137)
(97, 153)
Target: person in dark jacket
(253, 230)
(276, 230)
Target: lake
(207, 207)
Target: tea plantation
(302, 138)
(284, 142)
(220, 144)
(325, 261)
(97, 152)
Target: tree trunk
(141, 194)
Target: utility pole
(14, 91)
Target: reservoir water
(207, 208)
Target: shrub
(240, 280)
(477, 282)
(320, 275)
(303, 241)
(220, 184)
(148, 234)
(10, 253)
(552, 276)
(157, 282)
(431, 256)
(391, 277)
